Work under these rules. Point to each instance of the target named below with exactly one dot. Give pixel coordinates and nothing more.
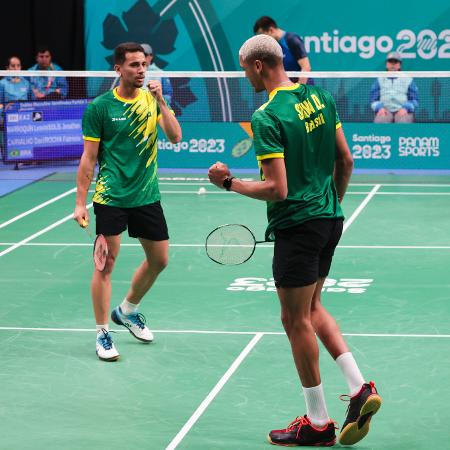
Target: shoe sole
(117, 321)
(322, 444)
(113, 358)
(355, 431)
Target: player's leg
(364, 399)
(111, 222)
(156, 260)
(295, 268)
(148, 224)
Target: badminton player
(120, 133)
(305, 166)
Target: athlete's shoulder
(106, 97)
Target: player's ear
(117, 68)
(258, 65)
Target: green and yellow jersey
(299, 124)
(127, 133)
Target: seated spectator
(151, 66)
(14, 89)
(47, 88)
(394, 99)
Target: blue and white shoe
(134, 322)
(105, 347)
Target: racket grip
(84, 223)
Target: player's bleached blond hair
(262, 47)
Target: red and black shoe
(301, 432)
(362, 407)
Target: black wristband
(227, 183)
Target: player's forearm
(170, 124)
(342, 173)
(259, 190)
(85, 176)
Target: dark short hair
(10, 58)
(126, 47)
(42, 48)
(264, 23)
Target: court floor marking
(224, 332)
(213, 393)
(39, 233)
(268, 245)
(362, 205)
(73, 190)
(36, 208)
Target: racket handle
(84, 223)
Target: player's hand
(81, 216)
(217, 173)
(155, 89)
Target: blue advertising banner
(44, 130)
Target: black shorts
(147, 222)
(303, 254)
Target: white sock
(127, 307)
(316, 409)
(100, 328)
(351, 372)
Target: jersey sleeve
(92, 124)
(296, 46)
(266, 136)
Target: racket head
(230, 244)
(100, 252)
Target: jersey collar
(282, 88)
(126, 100)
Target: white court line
(36, 208)
(367, 247)
(219, 332)
(39, 233)
(358, 210)
(210, 397)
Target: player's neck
(128, 92)
(278, 83)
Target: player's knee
(110, 261)
(159, 263)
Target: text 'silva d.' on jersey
(299, 124)
(127, 133)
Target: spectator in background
(394, 99)
(152, 67)
(295, 57)
(43, 87)
(13, 89)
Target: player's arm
(343, 164)
(305, 65)
(273, 188)
(167, 120)
(85, 176)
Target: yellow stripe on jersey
(269, 156)
(338, 125)
(89, 138)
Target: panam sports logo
(418, 146)
(426, 44)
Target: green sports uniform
(127, 132)
(299, 124)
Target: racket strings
(230, 244)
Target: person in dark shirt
(295, 57)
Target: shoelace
(137, 319)
(105, 340)
(300, 421)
